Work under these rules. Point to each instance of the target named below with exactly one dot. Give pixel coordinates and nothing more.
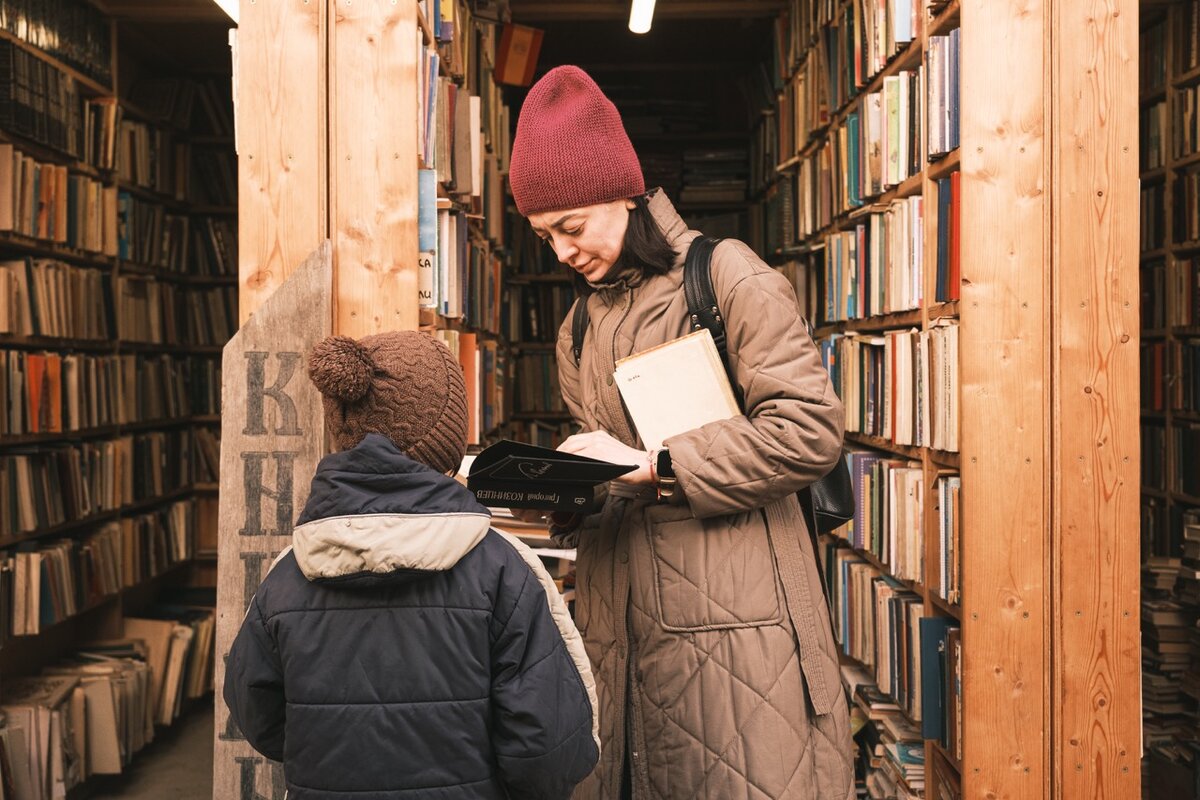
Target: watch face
(663, 466)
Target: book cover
(517, 475)
(675, 387)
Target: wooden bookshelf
(102, 617)
(1029, 570)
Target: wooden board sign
(272, 436)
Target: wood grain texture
(1095, 559)
(282, 153)
(272, 436)
(373, 180)
(1004, 374)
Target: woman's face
(588, 239)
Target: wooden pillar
(326, 107)
(373, 164)
(1095, 632)
(1049, 399)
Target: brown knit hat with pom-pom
(403, 385)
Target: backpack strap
(579, 324)
(702, 303)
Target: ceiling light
(641, 14)
(230, 7)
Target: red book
(517, 56)
(35, 375)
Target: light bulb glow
(230, 7)
(641, 14)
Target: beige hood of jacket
(709, 610)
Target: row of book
(1184, 448)
(1179, 360)
(485, 370)
(1152, 216)
(150, 157)
(912, 658)
(1154, 451)
(39, 101)
(539, 432)
(1152, 123)
(459, 274)
(1186, 135)
(197, 106)
(876, 266)
(54, 581)
(1187, 205)
(1152, 49)
(49, 298)
(535, 384)
(890, 758)
(52, 485)
(77, 34)
(148, 234)
(158, 312)
(533, 312)
(900, 385)
(889, 513)
(54, 204)
(48, 392)
(90, 713)
(1170, 293)
(715, 175)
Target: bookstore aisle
(118, 276)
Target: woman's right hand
(528, 514)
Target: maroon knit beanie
(571, 149)
(403, 385)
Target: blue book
(427, 238)
(933, 676)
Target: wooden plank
(1004, 374)
(372, 96)
(272, 436)
(525, 11)
(1097, 679)
(280, 90)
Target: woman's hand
(601, 445)
(528, 514)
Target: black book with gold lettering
(516, 475)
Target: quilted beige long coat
(704, 618)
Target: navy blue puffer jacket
(404, 649)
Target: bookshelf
(1168, 154)
(109, 377)
(833, 194)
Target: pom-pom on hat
(571, 149)
(404, 385)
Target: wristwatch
(663, 472)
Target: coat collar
(674, 229)
(373, 513)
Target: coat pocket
(712, 574)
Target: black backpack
(827, 503)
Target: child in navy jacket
(402, 648)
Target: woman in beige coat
(698, 594)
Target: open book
(675, 387)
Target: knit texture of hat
(404, 385)
(571, 149)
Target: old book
(675, 387)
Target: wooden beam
(373, 213)
(279, 80)
(526, 11)
(1005, 391)
(272, 436)
(1093, 91)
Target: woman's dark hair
(645, 246)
